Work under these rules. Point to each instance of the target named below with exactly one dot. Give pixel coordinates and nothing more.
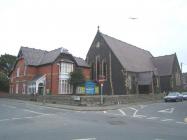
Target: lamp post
(101, 82)
(181, 67)
(101, 93)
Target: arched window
(92, 66)
(105, 69)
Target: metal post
(181, 67)
(101, 93)
(44, 93)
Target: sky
(160, 25)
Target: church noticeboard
(90, 87)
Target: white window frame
(25, 69)
(64, 87)
(23, 88)
(18, 72)
(64, 73)
(17, 88)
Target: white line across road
(181, 123)
(12, 119)
(166, 120)
(152, 118)
(9, 106)
(85, 139)
(31, 111)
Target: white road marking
(122, 112)
(135, 113)
(85, 139)
(166, 120)
(34, 112)
(158, 139)
(181, 122)
(140, 116)
(12, 119)
(143, 106)
(105, 112)
(9, 106)
(152, 118)
(168, 110)
(15, 118)
(28, 117)
(4, 120)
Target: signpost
(101, 82)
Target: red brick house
(37, 70)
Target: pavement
(24, 120)
(84, 108)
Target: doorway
(41, 89)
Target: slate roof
(37, 57)
(80, 62)
(131, 57)
(32, 56)
(164, 64)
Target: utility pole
(181, 66)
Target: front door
(41, 89)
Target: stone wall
(87, 100)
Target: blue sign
(90, 87)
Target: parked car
(173, 96)
(184, 94)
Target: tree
(4, 82)
(6, 63)
(76, 79)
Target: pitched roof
(164, 64)
(32, 56)
(131, 57)
(81, 62)
(37, 57)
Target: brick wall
(86, 73)
(52, 76)
(28, 72)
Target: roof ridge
(54, 49)
(34, 49)
(77, 57)
(165, 55)
(126, 43)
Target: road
(27, 121)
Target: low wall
(87, 100)
(119, 99)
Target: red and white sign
(101, 79)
